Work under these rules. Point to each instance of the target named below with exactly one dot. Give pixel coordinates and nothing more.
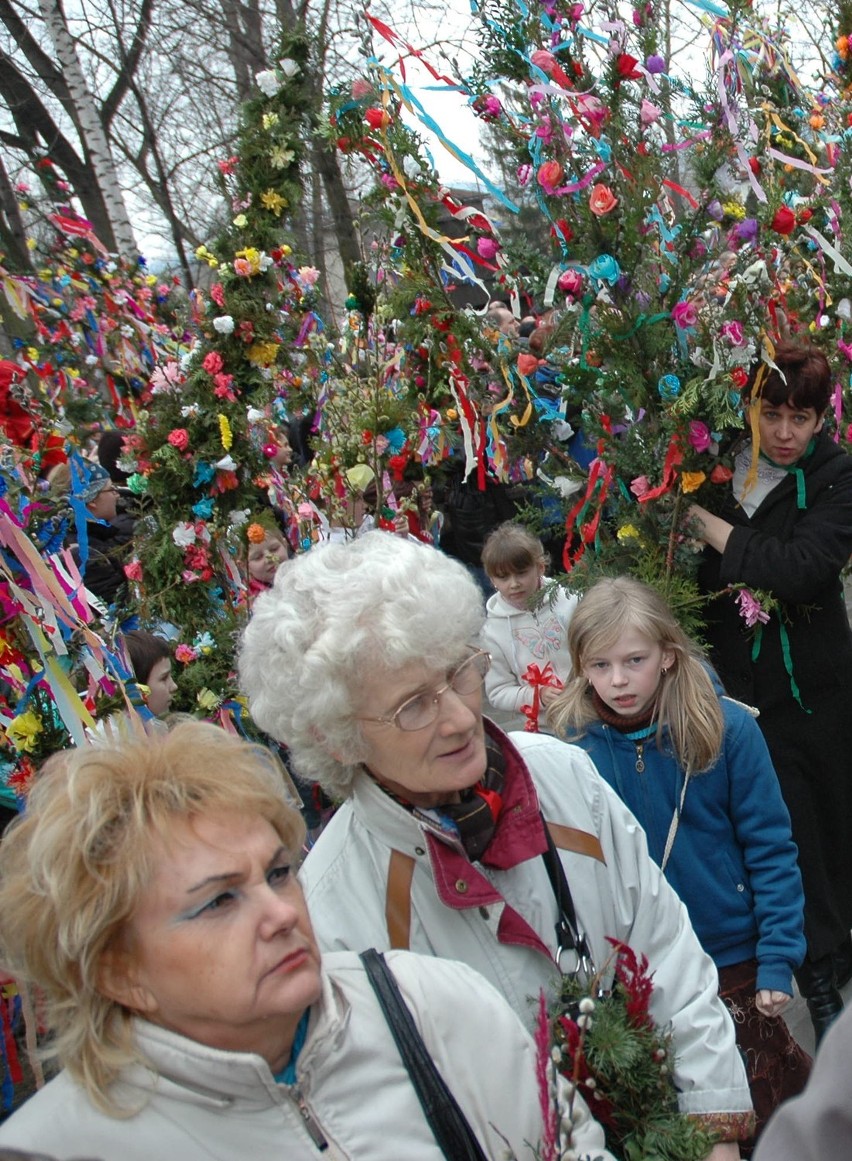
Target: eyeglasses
(418, 712)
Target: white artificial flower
(255, 416)
(289, 67)
(226, 464)
(183, 535)
(411, 166)
(264, 262)
(239, 517)
(267, 82)
(190, 409)
(224, 324)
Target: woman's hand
(770, 1003)
(713, 530)
(724, 1151)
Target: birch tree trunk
(89, 126)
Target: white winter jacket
(450, 907)
(518, 638)
(352, 1090)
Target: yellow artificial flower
(241, 221)
(201, 252)
(208, 700)
(734, 210)
(251, 256)
(262, 354)
(31, 243)
(280, 157)
(225, 432)
(32, 354)
(151, 280)
(273, 201)
(23, 730)
(286, 250)
(270, 120)
(691, 481)
(627, 532)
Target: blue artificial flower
(605, 269)
(204, 473)
(204, 508)
(669, 387)
(396, 440)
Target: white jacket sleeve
(503, 688)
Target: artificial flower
(750, 608)
(733, 331)
(183, 534)
(179, 438)
(133, 571)
(691, 481)
(699, 435)
(627, 532)
(721, 474)
(487, 248)
(290, 68)
(360, 88)
(185, 654)
(280, 158)
(377, 118)
(212, 363)
(267, 82)
(549, 176)
(225, 432)
(784, 221)
(23, 730)
(602, 200)
(625, 66)
(669, 387)
(684, 315)
(208, 700)
(224, 324)
(255, 534)
(570, 282)
(605, 269)
(273, 202)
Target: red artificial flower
(804, 215)
(376, 118)
(739, 378)
(720, 474)
(754, 166)
(549, 176)
(179, 438)
(625, 65)
(784, 221)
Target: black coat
(797, 554)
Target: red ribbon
(538, 679)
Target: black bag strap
(568, 934)
(448, 1123)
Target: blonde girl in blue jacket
(694, 769)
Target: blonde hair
(511, 548)
(73, 867)
(687, 701)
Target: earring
(664, 670)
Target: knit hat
(88, 484)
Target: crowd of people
(209, 992)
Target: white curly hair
(335, 614)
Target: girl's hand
(725, 1151)
(770, 1003)
(548, 694)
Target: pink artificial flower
(308, 275)
(640, 486)
(133, 571)
(224, 387)
(389, 181)
(185, 653)
(570, 282)
(733, 331)
(699, 435)
(684, 315)
(648, 112)
(217, 293)
(361, 88)
(212, 363)
(242, 267)
(228, 165)
(524, 173)
(492, 106)
(487, 248)
(544, 60)
(751, 609)
(179, 438)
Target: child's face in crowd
(627, 675)
(282, 457)
(265, 557)
(518, 587)
(162, 687)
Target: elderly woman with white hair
(455, 839)
(150, 893)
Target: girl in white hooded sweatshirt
(524, 628)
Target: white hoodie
(517, 638)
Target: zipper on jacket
(315, 1132)
(640, 759)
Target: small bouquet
(609, 1047)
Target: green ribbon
(785, 653)
(796, 470)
